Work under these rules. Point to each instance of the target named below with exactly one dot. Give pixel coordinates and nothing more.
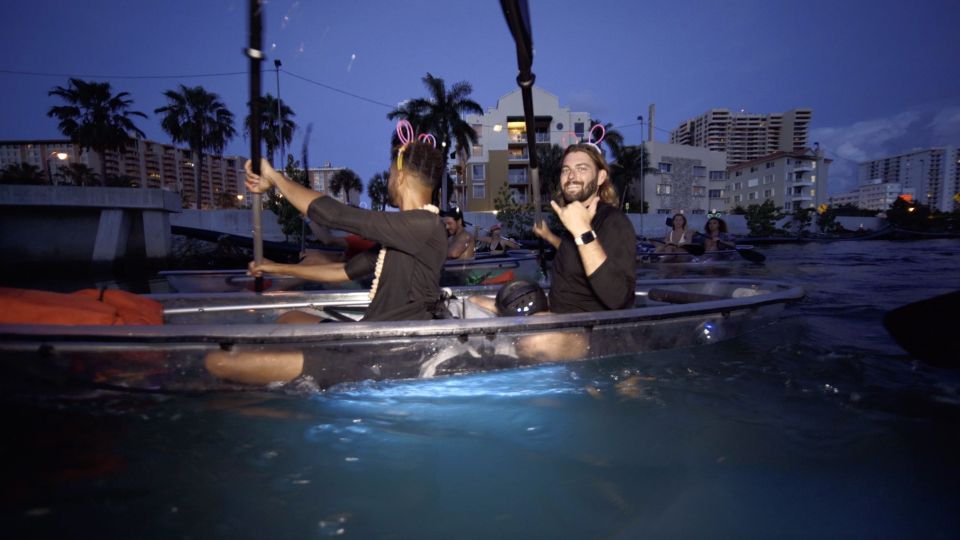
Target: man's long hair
(607, 192)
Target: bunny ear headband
(405, 134)
(596, 144)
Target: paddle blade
(926, 329)
(752, 255)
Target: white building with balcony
(876, 195)
(792, 180)
(501, 158)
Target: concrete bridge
(70, 225)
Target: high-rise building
(142, 163)
(876, 195)
(745, 136)
(501, 156)
(932, 174)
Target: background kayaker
(495, 243)
(678, 236)
(595, 265)
(460, 243)
(715, 236)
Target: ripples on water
(818, 425)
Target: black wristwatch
(585, 238)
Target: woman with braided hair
(412, 242)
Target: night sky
(880, 75)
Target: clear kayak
(172, 357)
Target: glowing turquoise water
(817, 426)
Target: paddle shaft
(255, 52)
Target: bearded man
(595, 266)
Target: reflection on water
(818, 425)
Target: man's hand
(265, 267)
(576, 216)
(540, 229)
(264, 181)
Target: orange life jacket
(84, 307)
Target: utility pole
(281, 166)
(642, 171)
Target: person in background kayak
(677, 237)
(495, 243)
(460, 243)
(714, 236)
(595, 265)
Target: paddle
(517, 14)
(925, 329)
(747, 253)
(255, 53)
(693, 249)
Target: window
(718, 175)
(753, 182)
(738, 185)
(578, 129)
(738, 173)
(738, 198)
(663, 211)
(698, 212)
(478, 171)
(699, 191)
(665, 167)
(479, 191)
(753, 195)
(699, 171)
(716, 193)
(813, 179)
(753, 169)
(663, 189)
(768, 179)
(769, 165)
(477, 150)
(768, 194)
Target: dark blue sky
(880, 75)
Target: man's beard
(588, 190)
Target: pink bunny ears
(405, 134)
(596, 144)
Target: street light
(277, 64)
(642, 174)
(60, 155)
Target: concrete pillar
(156, 234)
(112, 234)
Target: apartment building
(148, 164)
(745, 136)
(688, 180)
(501, 156)
(876, 195)
(792, 180)
(931, 174)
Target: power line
(87, 76)
(344, 92)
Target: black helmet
(520, 298)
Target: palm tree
(377, 190)
(94, 118)
(22, 173)
(275, 131)
(345, 180)
(78, 174)
(550, 159)
(199, 119)
(442, 115)
(631, 163)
